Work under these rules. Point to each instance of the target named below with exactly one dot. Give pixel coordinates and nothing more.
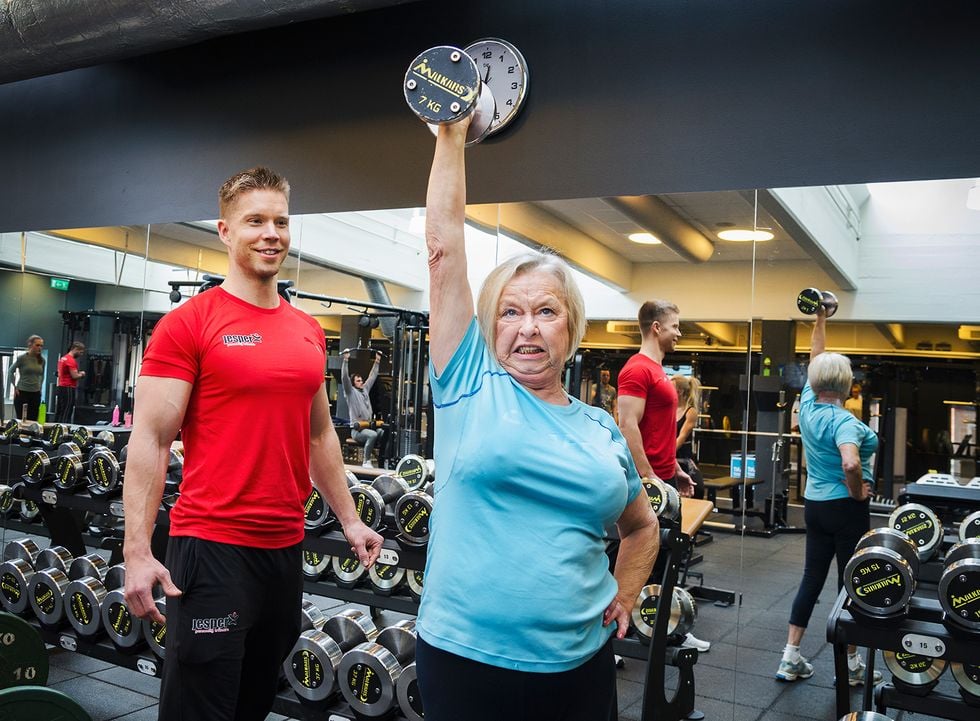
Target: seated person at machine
(357, 391)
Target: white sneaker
(367, 464)
(692, 641)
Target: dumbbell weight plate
(441, 85)
(83, 605)
(967, 675)
(970, 526)
(315, 564)
(921, 525)
(412, 513)
(360, 677)
(316, 510)
(82, 437)
(46, 592)
(896, 541)
(37, 465)
(414, 470)
(104, 472)
(57, 433)
(311, 617)
(29, 510)
(15, 579)
(683, 611)
(23, 657)
(385, 578)
(310, 666)
(959, 586)
(55, 557)
(155, 633)
(24, 548)
(115, 577)
(69, 473)
(415, 580)
(91, 564)
(664, 499)
(879, 581)
(407, 692)
(123, 628)
(914, 669)
(7, 501)
(347, 570)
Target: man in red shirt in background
(68, 376)
(648, 406)
(239, 373)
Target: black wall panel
(625, 98)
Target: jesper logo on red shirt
(233, 339)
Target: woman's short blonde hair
(494, 284)
(688, 391)
(831, 373)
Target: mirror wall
(743, 337)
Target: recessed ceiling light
(745, 235)
(644, 238)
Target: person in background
(836, 508)
(256, 432)
(529, 481)
(688, 406)
(29, 371)
(357, 391)
(855, 401)
(68, 377)
(605, 395)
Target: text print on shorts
(214, 625)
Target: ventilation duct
(377, 293)
(655, 216)
(40, 37)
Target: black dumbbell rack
(922, 618)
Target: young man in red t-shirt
(648, 406)
(239, 373)
(68, 377)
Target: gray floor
(735, 680)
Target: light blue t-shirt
(516, 574)
(825, 427)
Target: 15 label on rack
(923, 645)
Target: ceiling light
(973, 197)
(644, 238)
(745, 235)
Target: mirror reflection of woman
(688, 406)
(27, 377)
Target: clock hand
(487, 78)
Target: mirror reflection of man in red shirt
(68, 375)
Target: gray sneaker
(792, 671)
(856, 676)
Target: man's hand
(346, 356)
(619, 612)
(141, 578)
(365, 543)
(685, 484)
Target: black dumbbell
(105, 471)
(959, 586)
(86, 440)
(316, 512)
(368, 673)
(55, 434)
(409, 698)
(8, 431)
(970, 526)
(385, 578)
(412, 513)
(914, 673)
(311, 666)
(8, 504)
(921, 525)
(347, 571)
(87, 592)
(370, 500)
(415, 470)
(664, 499)
(880, 576)
(29, 510)
(69, 469)
(683, 612)
(809, 299)
(39, 466)
(26, 433)
(315, 564)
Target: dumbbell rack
(924, 619)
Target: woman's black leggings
(832, 529)
(454, 688)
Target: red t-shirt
(642, 377)
(246, 431)
(67, 364)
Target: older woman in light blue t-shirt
(519, 604)
(839, 480)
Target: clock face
(503, 69)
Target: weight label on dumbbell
(80, 608)
(913, 662)
(307, 669)
(10, 588)
(36, 465)
(365, 510)
(963, 595)
(388, 556)
(385, 572)
(916, 525)
(364, 683)
(648, 611)
(411, 471)
(44, 597)
(916, 643)
(120, 619)
(413, 518)
(655, 495)
(159, 633)
(312, 558)
(441, 84)
(878, 583)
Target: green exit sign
(60, 283)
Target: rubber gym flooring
(734, 681)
